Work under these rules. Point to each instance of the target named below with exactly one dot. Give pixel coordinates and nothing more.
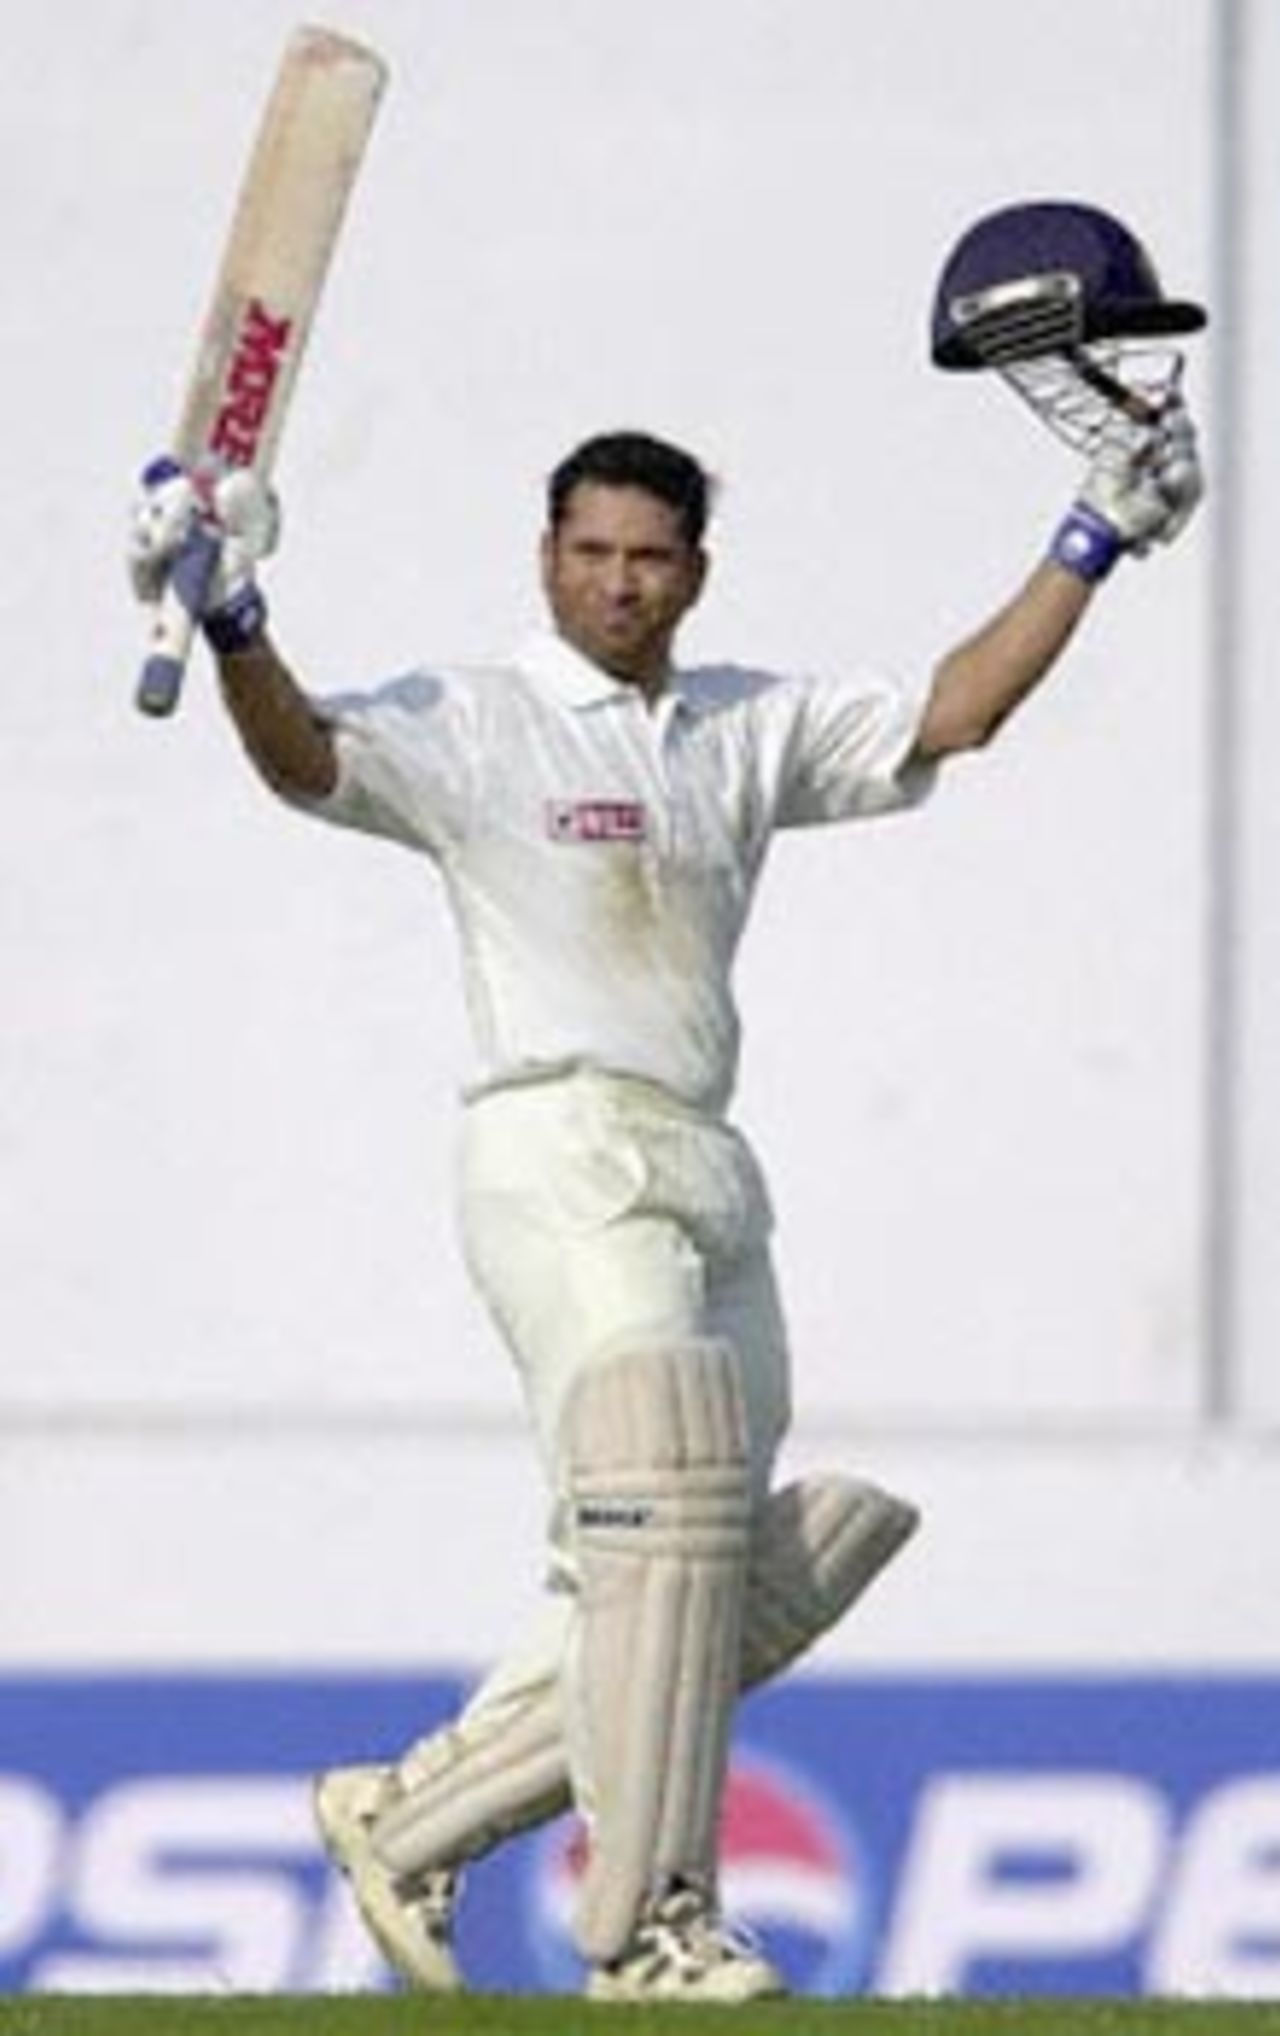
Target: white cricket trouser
(600, 1214)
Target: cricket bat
(299, 177)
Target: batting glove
(241, 512)
(1138, 492)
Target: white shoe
(411, 1921)
(682, 1951)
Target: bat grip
(177, 614)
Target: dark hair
(632, 459)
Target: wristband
(239, 623)
(1086, 544)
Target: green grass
(502, 2015)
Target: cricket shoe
(410, 1919)
(683, 1951)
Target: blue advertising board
(1083, 1835)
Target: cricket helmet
(1078, 273)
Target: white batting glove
(1139, 491)
(240, 510)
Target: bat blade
(304, 162)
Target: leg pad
(659, 1484)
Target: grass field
(495, 2015)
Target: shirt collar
(555, 665)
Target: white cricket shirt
(600, 855)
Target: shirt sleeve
(405, 762)
(849, 751)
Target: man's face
(619, 575)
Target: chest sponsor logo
(596, 820)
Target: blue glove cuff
(164, 467)
(239, 624)
(1086, 544)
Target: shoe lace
(685, 1927)
(433, 1899)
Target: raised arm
(1132, 497)
(287, 739)
(979, 683)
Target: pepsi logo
(792, 1872)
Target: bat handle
(177, 613)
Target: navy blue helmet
(1032, 278)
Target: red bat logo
(251, 378)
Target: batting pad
(656, 1448)
(821, 1543)
(818, 1545)
(461, 1792)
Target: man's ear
(546, 554)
